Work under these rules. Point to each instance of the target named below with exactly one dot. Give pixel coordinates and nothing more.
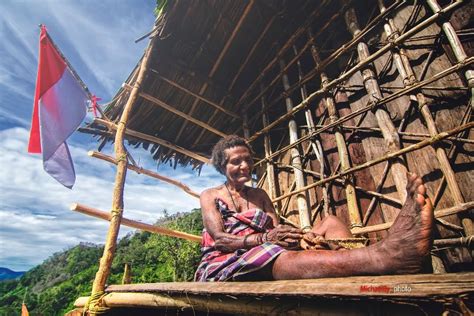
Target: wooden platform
(407, 294)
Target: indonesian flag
(59, 107)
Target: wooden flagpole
(117, 203)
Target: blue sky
(97, 37)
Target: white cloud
(34, 208)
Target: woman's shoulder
(211, 192)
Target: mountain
(7, 274)
(52, 287)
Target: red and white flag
(59, 107)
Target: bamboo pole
(441, 213)
(216, 65)
(353, 114)
(127, 274)
(455, 44)
(154, 140)
(198, 96)
(389, 156)
(403, 135)
(173, 110)
(368, 192)
(117, 203)
(305, 219)
(349, 186)
(419, 27)
(152, 174)
(407, 74)
(267, 144)
(461, 56)
(315, 14)
(134, 224)
(315, 144)
(389, 132)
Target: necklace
(237, 207)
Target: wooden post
(267, 144)
(315, 144)
(117, 201)
(389, 156)
(392, 140)
(305, 220)
(404, 69)
(461, 56)
(352, 206)
(127, 274)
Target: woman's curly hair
(219, 158)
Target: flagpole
(73, 71)
(93, 306)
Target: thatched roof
(216, 50)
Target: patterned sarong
(219, 266)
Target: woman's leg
(331, 227)
(408, 242)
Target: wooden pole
(134, 224)
(305, 220)
(404, 69)
(127, 274)
(352, 206)
(267, 144)
(152, 174)
(200, 97)
(461, 56)
(117, 202)
(418, 28)
(356, 113)
(314, 143)
(155, 140)
(444, 212)
(172, 109)
(389, 156)
(389, 132)
(216, 65)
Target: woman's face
(239, 165)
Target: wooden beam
(152, 174)
(155, 140)
(134, 224)
(303, 210)
(200, 97)
(389, 156)
(464, 207)
(218, 61)
(407, 74)
(353, 114)
(171, 109)
(418, 28)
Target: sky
(97, 37)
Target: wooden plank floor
(403, 286)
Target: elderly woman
(242, 238)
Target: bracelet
(265, 237)
(245, 240)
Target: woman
(242, 239)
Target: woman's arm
(215, 226)
(283, 235)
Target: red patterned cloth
(219, 266)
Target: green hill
(53, 286)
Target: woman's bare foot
(409, 239)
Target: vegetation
(52, 287)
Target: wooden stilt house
(339, 99)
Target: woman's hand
(284, 236)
